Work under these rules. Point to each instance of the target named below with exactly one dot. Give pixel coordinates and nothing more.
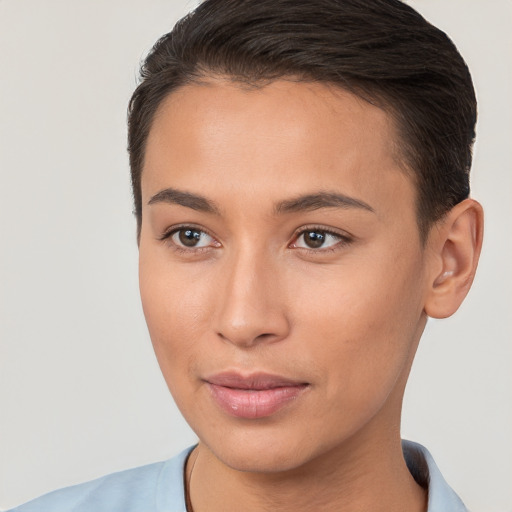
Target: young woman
(300, 174)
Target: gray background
(80, 391)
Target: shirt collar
(441, 497)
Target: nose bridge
(250, 310)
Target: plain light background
(80, 391)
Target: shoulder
(151, 488)
(441, 497)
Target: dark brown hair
(381, 50)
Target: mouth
(254, 396)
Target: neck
(360, 477)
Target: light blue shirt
(159, 487)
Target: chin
(267, 459)
(261, 450)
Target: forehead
(285, 136)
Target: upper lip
(254, 381)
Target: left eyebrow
(320, 200)
(186, 199)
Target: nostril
(264, 336)
(247, 338)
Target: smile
(255, 396)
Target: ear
(454, 249)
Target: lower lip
(252, 404)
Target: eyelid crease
(328, 230)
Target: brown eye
(314, 239)
(189, 237)
(192, 238)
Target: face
(281, 271)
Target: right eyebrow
(319, 200)
(186, 199)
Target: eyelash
(343, 239)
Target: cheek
(364, 326)
(175, 305)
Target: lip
(253, 396)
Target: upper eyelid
(330, 231)
(167, 233)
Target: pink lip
(254, 396)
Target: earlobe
(455, 250)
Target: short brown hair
(381, 50)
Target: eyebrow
(320, 200)
(187, 199)
(308, 202)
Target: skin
(345, 317)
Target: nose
(251, 307)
